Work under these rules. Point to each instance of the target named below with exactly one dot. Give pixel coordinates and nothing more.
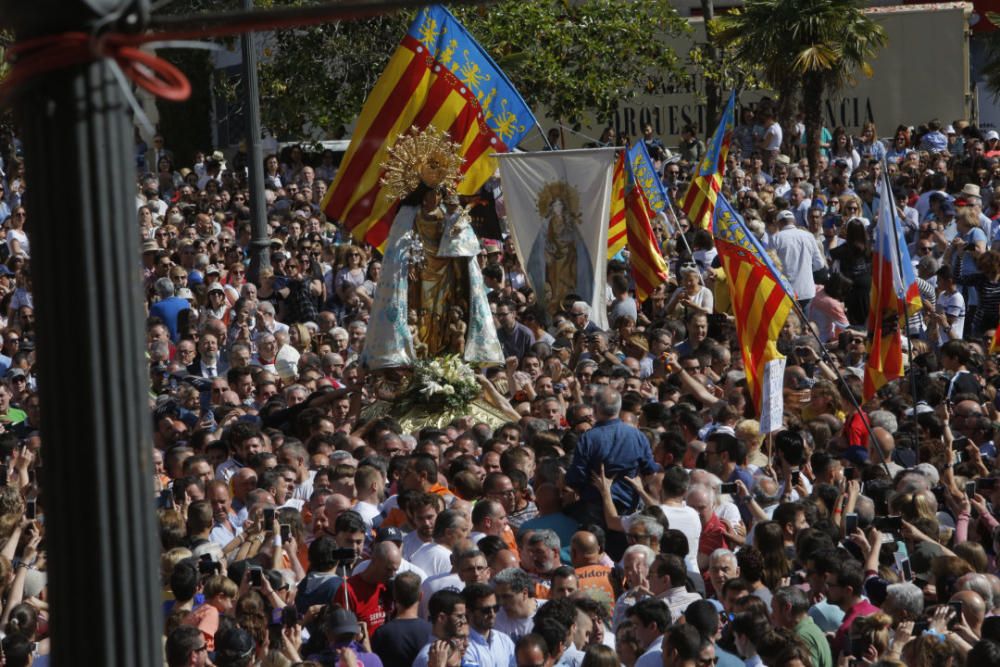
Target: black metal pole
(827, 357)
(260, 257)
(99, 516)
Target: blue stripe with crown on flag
(641, 170)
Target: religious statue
(456, 329)
(429, 265)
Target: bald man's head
(386, 559)
(584, 549)
(503, 560)
(886, 443)
(973, 608)
(336, 505)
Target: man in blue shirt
(622, 449)
(168, 306)
(935, 140)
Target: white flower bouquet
(444, 382)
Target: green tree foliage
(569, 59)
(810, 46)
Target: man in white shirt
(949, 311)
(770, 142)
(369, 485)
(421, 512)
(450, 529)
(679, 515)
(799, 256)
(469, 568)
(514, 589)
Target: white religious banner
(558, 206)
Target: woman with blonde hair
(692, 295)
(869, 145)
(299, 337)
(870, 636)
(851, 207)
(748, 431)
(349, 270)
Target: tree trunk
(786, 115)
(712, 95)
(812, 100)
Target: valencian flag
(438, 76)
(645, 176)
(699, 200)
(894, 296)
(648, 266)
(995, 343)
(762, 298)
(616, 224)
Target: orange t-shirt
(396, 518)
(595, 581)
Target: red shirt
(856, 431)
(371, 603)
(713, 536)
(862, 608)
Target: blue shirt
(561, 524)
(623, 450)
(934, 141)
(498, 651)
(167, 310)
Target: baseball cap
(16, 373)
(389, 534)
(786, 215)
(216, 287)
(342, 622)
(233, 646)
(992, 134)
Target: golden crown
(425, 156)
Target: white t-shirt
(411, 543)
(772, 137)
(951, 304)
(368, 512)
(434, 584)
(404, 566)
(433, 559)
(688, 522)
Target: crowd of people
(631, 512)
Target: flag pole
(825, 356)
(542, 132)
(678, 221)
(906, 316)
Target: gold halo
(425, 156)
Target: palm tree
(812, 46)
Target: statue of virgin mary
(429, 270)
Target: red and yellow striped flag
(438, 76)
(762, 299)
(648, 266)
(699, 200)
(995, 343)
(616, 225)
